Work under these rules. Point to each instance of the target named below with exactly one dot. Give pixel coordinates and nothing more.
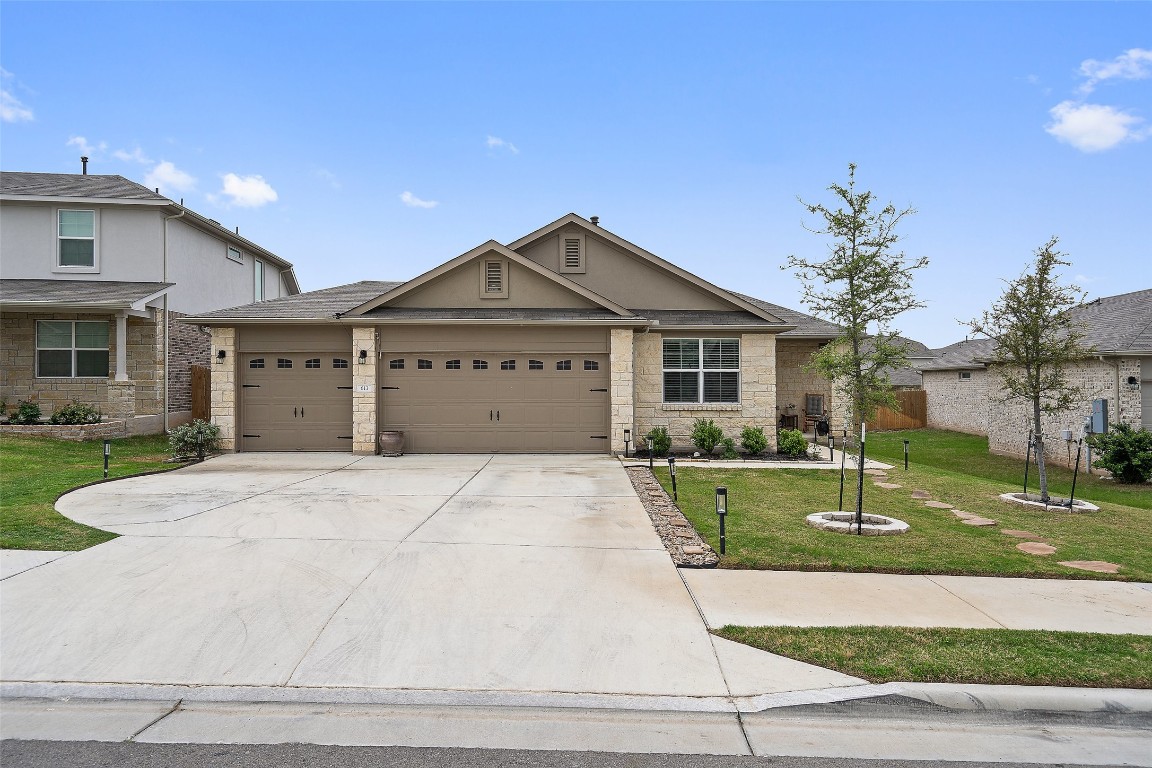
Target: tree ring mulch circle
(845, 522)
(1054, 503)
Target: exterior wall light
(363, 358)
(220, 356)
(722, 512)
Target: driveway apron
(463, 573)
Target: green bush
(75, 412)
(661, 443)
(754, 440)
(190, 439)
(792, 443)
(1125, 452)
(27, 412)
(730, 451)
(706, 435)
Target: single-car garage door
(496, 397)
(295, 400)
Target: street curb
(1000, 698)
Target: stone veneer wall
(757, 406)
(141, 395)
(76, 433)
(621, 388)
(364, 418)
(793, 382)
(223, 378)
(958, 404)
(187, 346)
(1008, 423)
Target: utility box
(1099, 416)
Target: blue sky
(377, 140)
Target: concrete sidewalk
(804, 599)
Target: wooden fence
(913, 412)
(201, 392)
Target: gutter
(361, 321)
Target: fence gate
(201, 392)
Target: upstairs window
(701, 370)
(72, 349)
(258, 281)
(572, 252)
(76, 239)
(965, 375)
(234, 255)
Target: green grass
(34, 471)
(986, 656)
(767, 507)
(968, 455)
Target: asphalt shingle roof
(1120, 323)
(74, 185)
(701, 317)
(488, 313)
(313, 305)
(77, 291)
(806, 325)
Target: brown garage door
(296, 401)
(479, 402)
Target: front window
(71, 349)
(76, 232)
(701, 370)
(258, 294)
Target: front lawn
(974, 656)
(34, 471)
(767, 507)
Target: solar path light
(672, 472)
(107, 453)
(905, 455)
(627, 440)
(722, 512)
(649, 439)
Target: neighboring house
(93, 270)
(964, 393)
(557, 342)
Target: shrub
(189, 439)
(754, 440)
(706, 435)
(27, 412)
(1125, 452)
(75, 412)
(730, 451)
(661, 443)
(792, 443)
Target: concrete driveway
(479, 574)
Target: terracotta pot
(391, 443)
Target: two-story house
(93, 272)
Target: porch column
(122, 346)
(364, 392)
(621, 389)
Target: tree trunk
(1041, 470)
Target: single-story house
(964, 393)
(564, 340)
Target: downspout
(164, 278)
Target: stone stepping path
(918, 494)
(888, 486)
(979, 522)
(938, 505)
(1097, 566)
(1036, 548)
(876, 472)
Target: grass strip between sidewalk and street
(971, 656)
(35, 471)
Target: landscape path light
(722, 512)
(672, 472)
(905, 455)
(649, 439)
(627, 440)
(107, 453)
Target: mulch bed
(681, 540)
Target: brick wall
(187, 346)
(958, 404)
(1008, 423)
(142, 395)
(757, 406)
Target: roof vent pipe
(84, 165)
(595, 221)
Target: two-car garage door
(450, 390)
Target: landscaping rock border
(1078, 507)
(685, 546)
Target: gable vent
(493, 277)
(572, 253)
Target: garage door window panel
(339, 362)
(312, 362)
(701, 370)
(396, 365)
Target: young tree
(1037, 337)
(862, 286)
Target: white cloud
(412, 201)
(1133, 64)
(246, 191)
(12, 110)
(1084, 279)
(329, 177)
(135, 156)
(496, 143)
(167, 177)
(1094, 127)
(81, 144)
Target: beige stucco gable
(464, 287)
